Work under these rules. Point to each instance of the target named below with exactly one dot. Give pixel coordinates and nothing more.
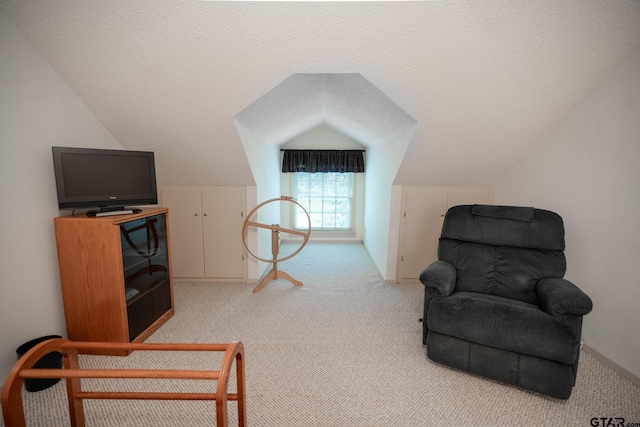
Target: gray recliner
(495, 301)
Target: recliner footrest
(532, 373)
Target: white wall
(322, 137)
(37, 111)
(264, 160)
(380, 210)
(587, 168)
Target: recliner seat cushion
(502, 323)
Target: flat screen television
(105, 179)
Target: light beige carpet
(343, 350)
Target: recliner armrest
(441, 276)
(558, 297)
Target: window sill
(319, 234)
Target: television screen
(89, 177)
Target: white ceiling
(346, 102)
(483, 79)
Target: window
(327, 197)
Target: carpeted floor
(343, 350)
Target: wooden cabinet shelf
(115, 274)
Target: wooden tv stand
(115, 273)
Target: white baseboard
(608, 362)
(321, 240)
(209, 280)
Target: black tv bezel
(100, 201)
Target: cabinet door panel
(424, 214)
(222, 229)
(424, 210)
(91, 275)
(185, 223)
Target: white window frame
(315, 210)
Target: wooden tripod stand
(274, 273)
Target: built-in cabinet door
(206, 226)
(423, 215)
(424, 209)
(222, 229)
(185, 223)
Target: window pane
(344, 185)
(316, 221)
(315, 187)
(343, 221)
(302, 222)
(305, 202)
(315, 205)
(343, 206)
(327, 198)
(328, 205)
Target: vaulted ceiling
(483, 79)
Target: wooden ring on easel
(275, 227)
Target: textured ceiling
(483, 79)
(348, 103)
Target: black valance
(323, 161)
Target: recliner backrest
(502, 250)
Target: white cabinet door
(222, 228)
(424, 211)
(423, 214)
(185, 222)
(206, 225)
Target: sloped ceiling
(483, 79)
